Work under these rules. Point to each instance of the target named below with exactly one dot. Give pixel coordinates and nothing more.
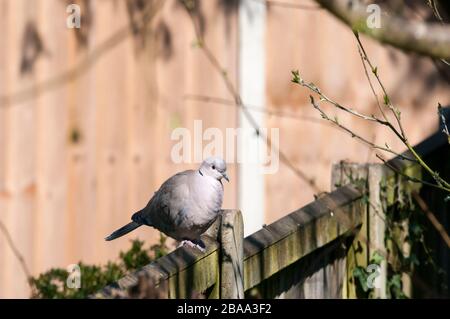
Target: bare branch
(363, 61)
(387, 100)
(442, 183)
(444, 122)
(410, 178)
(16, 251)
(265, 110)
(396, 112)
(288, 5)
(323, 97)
(354, 135)
(432, 218)
(429, 39)
(371, 118)
(238, 101)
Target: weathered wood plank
(317, 275)
(370, 178)
(277, 246)
(377, 225)
(231, 255)
(185, 273)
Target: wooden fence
(310, 253)
(82, 111)
(232, 266)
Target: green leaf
(377, 258)
(416, 229)
(414, 260)
(387, 101)
(295, 76)
(396, 281)
(360, 274)
(375, 70)
(135, 257)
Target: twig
(410, 178)
(323, 97)
(238, 101)
(371, 85)
(396, 112)
(288, 5)
(444, 122)
(429, 39)
(371, 118)
(265, 110)
(387, 100)
(16, 251)
(355, 135)
(433, 6)
(432, 218)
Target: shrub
(52, 284)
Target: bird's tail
(123, 231)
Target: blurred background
(87, 114)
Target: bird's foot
(194, 244)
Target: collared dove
(185, 205)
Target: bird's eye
(213, 167)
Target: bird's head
(214, 167)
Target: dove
(185, 205)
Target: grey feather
(123, 231)
(187, 203)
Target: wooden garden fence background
(82, 112)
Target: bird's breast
(208, 198)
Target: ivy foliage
(53, 283)
(405, 242)
(362, 275)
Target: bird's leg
(194, 244)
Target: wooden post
(342, 174)
(371, 237)
(377, 225)
(231, 238)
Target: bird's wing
(169, 202)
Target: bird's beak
(226, 177)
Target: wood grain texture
(231, 255)
(85, 133)
(184, 273)
(294, 236)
